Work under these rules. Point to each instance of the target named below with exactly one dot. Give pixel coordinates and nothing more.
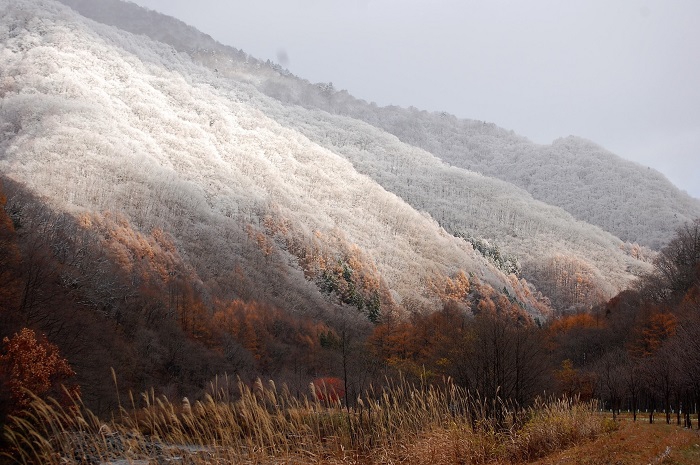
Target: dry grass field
(402, 424)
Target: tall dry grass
(264, 424)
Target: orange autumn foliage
(451, 289)
(574, 382)
(659, 327)
(33, 364)
(568, 322)
(423, 345)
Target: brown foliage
(271, 335)
(567, 323)
(454, 289)
(492, 353)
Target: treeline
(639, 352)
(100, 295)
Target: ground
(631, 443)
(634, 444)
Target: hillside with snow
(633, 202)
(249, 167)
(98, 121)
(538, 237)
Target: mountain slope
(97, 120)
(464, 203)
(633, 202)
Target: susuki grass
(266, 424)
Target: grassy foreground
(400, 424)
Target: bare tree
(632, 377)
(677, 267)
(612, 378)
(686, 351)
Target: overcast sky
(622, 73)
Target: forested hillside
(634, 203)
(545, 242)
(96, 121)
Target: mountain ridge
(496, 212)
(99, 122)
(637, 217)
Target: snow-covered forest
(97, 121)
(577, 175)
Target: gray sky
(622, 73)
